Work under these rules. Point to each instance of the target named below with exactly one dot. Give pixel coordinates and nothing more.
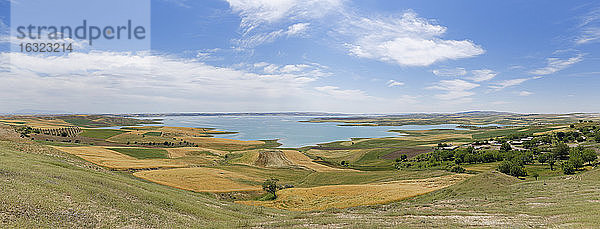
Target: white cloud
(450, 72)
(509, 83)
(557, 64)
(525, 93)
(91, 82)
(393, 83)
(264, 21)
(407, 41)
(262, 38)
(455, 89)
(312, 69)
(337, 92)
(208, 54)
(255, 13)
(588, 35)
(297, 28)
(482, 75)
(589, 28)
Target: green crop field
(100, 133)
(141, 153)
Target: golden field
(343, 196)
(201, 179)
(108, 158)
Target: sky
(379, 56)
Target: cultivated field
(343, 196)
(112, 159)
(201, 179)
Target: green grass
(100, 133)
(157, 134)
(79, 121)
(141, 153)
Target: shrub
(511, 168)
(457, 169)
(568, 168)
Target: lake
(288, 129)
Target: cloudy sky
(380, 56)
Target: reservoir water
(288, 129)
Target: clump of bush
(457, 169)
(512, 168)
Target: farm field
(113, 159)
(344, 196)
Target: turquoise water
(288, 130)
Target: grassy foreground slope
(42, 187)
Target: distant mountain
(484, 113)
(38, 112)
(239, 114)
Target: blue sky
(328, 55)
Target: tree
(511, 168)
(589, 156)
(505, 147)
(535, 175)
(270, 186)
(543, 158)
(403, 157)
(551, 162)
(561, 150)
(457, 169)
(568, 168)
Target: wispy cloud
(482, 75)
(455, 89)
(393, 83)
(589, 27)
(256, 13)
(525, 93)
(509, 83)
(450, 72)
(297, 29)
(264, 21)
(556, 64)
(407, 41)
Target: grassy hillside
(47, 188)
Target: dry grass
(191, 151)
(302, 160)
(37, 123)
(201, 179)
(108, 158)
(347, 155)
(343, 196)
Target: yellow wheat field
(115, 160)
(201, 179)
(343, 196)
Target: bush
(511, 168)
(568, 168)
(505, 147)
(457, 169)
(561, 150)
